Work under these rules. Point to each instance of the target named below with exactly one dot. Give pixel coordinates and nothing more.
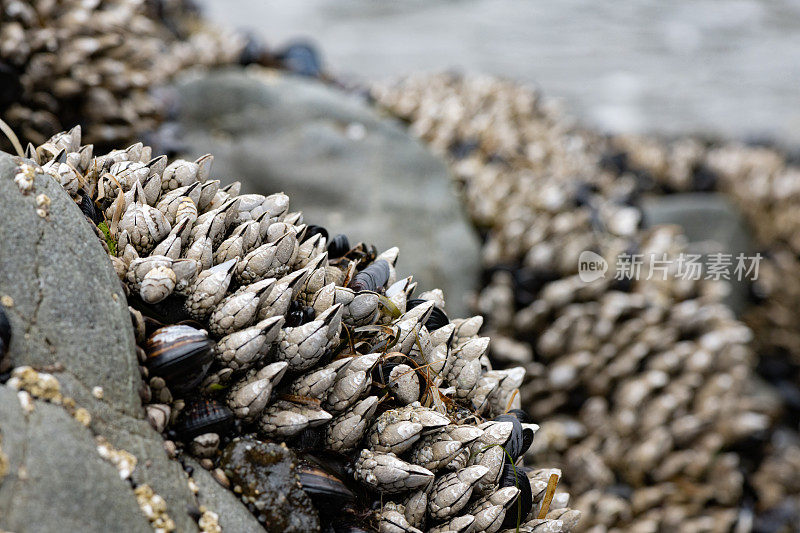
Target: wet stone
(265, 473)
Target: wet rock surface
(353, 170)
(265, 472)
(69, 318)
(233, 516)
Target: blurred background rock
(727, 67)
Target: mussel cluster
(94, 62)
(253, 324)
(646, 391)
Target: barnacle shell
(288, 349)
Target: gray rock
(712, 225)
(56, 479)
(68, 303)
(343, 164)
(69, 315)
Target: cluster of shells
(646, 391)
(272, 328)
(765, 185)
(94, 62)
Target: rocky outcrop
(353, 170)
(69, 318)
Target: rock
(712, 225)
(56, 480)
(265, 471)
(343, 164)
(68, 303)
(69, 317)
(233, 516)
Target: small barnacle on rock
(26, 401)
(193, 485)
(39, 384)
(82, 415)
(209, 521)
(124, 461)
(43, 202)
(154, 508)
(25, 178)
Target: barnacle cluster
(254, 324)
(764, 184)
(646, 391)
(93, 62)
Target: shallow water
(725, 67)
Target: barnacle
(294, 342)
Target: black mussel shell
(180, 354)
(254, 51)
(313, 229)
(463, 148)
(373, 277)
(437, 319)
(381, 371)
(298, 314)
(322, 486)
(301, 58)
(338, 246)
(5, 332)
(519, 509)
(521, 438)
(203, 416)
(88, 208)
(521, 415)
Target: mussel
(313, 229)
(298, 314)
(322, 486)
(437, 318)
(373, 277)
(88, 208)
(515, 476)
(179, 354)
(5, 333)
(521, 437)
(338, 246)
(301, 58)
(203, 416)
